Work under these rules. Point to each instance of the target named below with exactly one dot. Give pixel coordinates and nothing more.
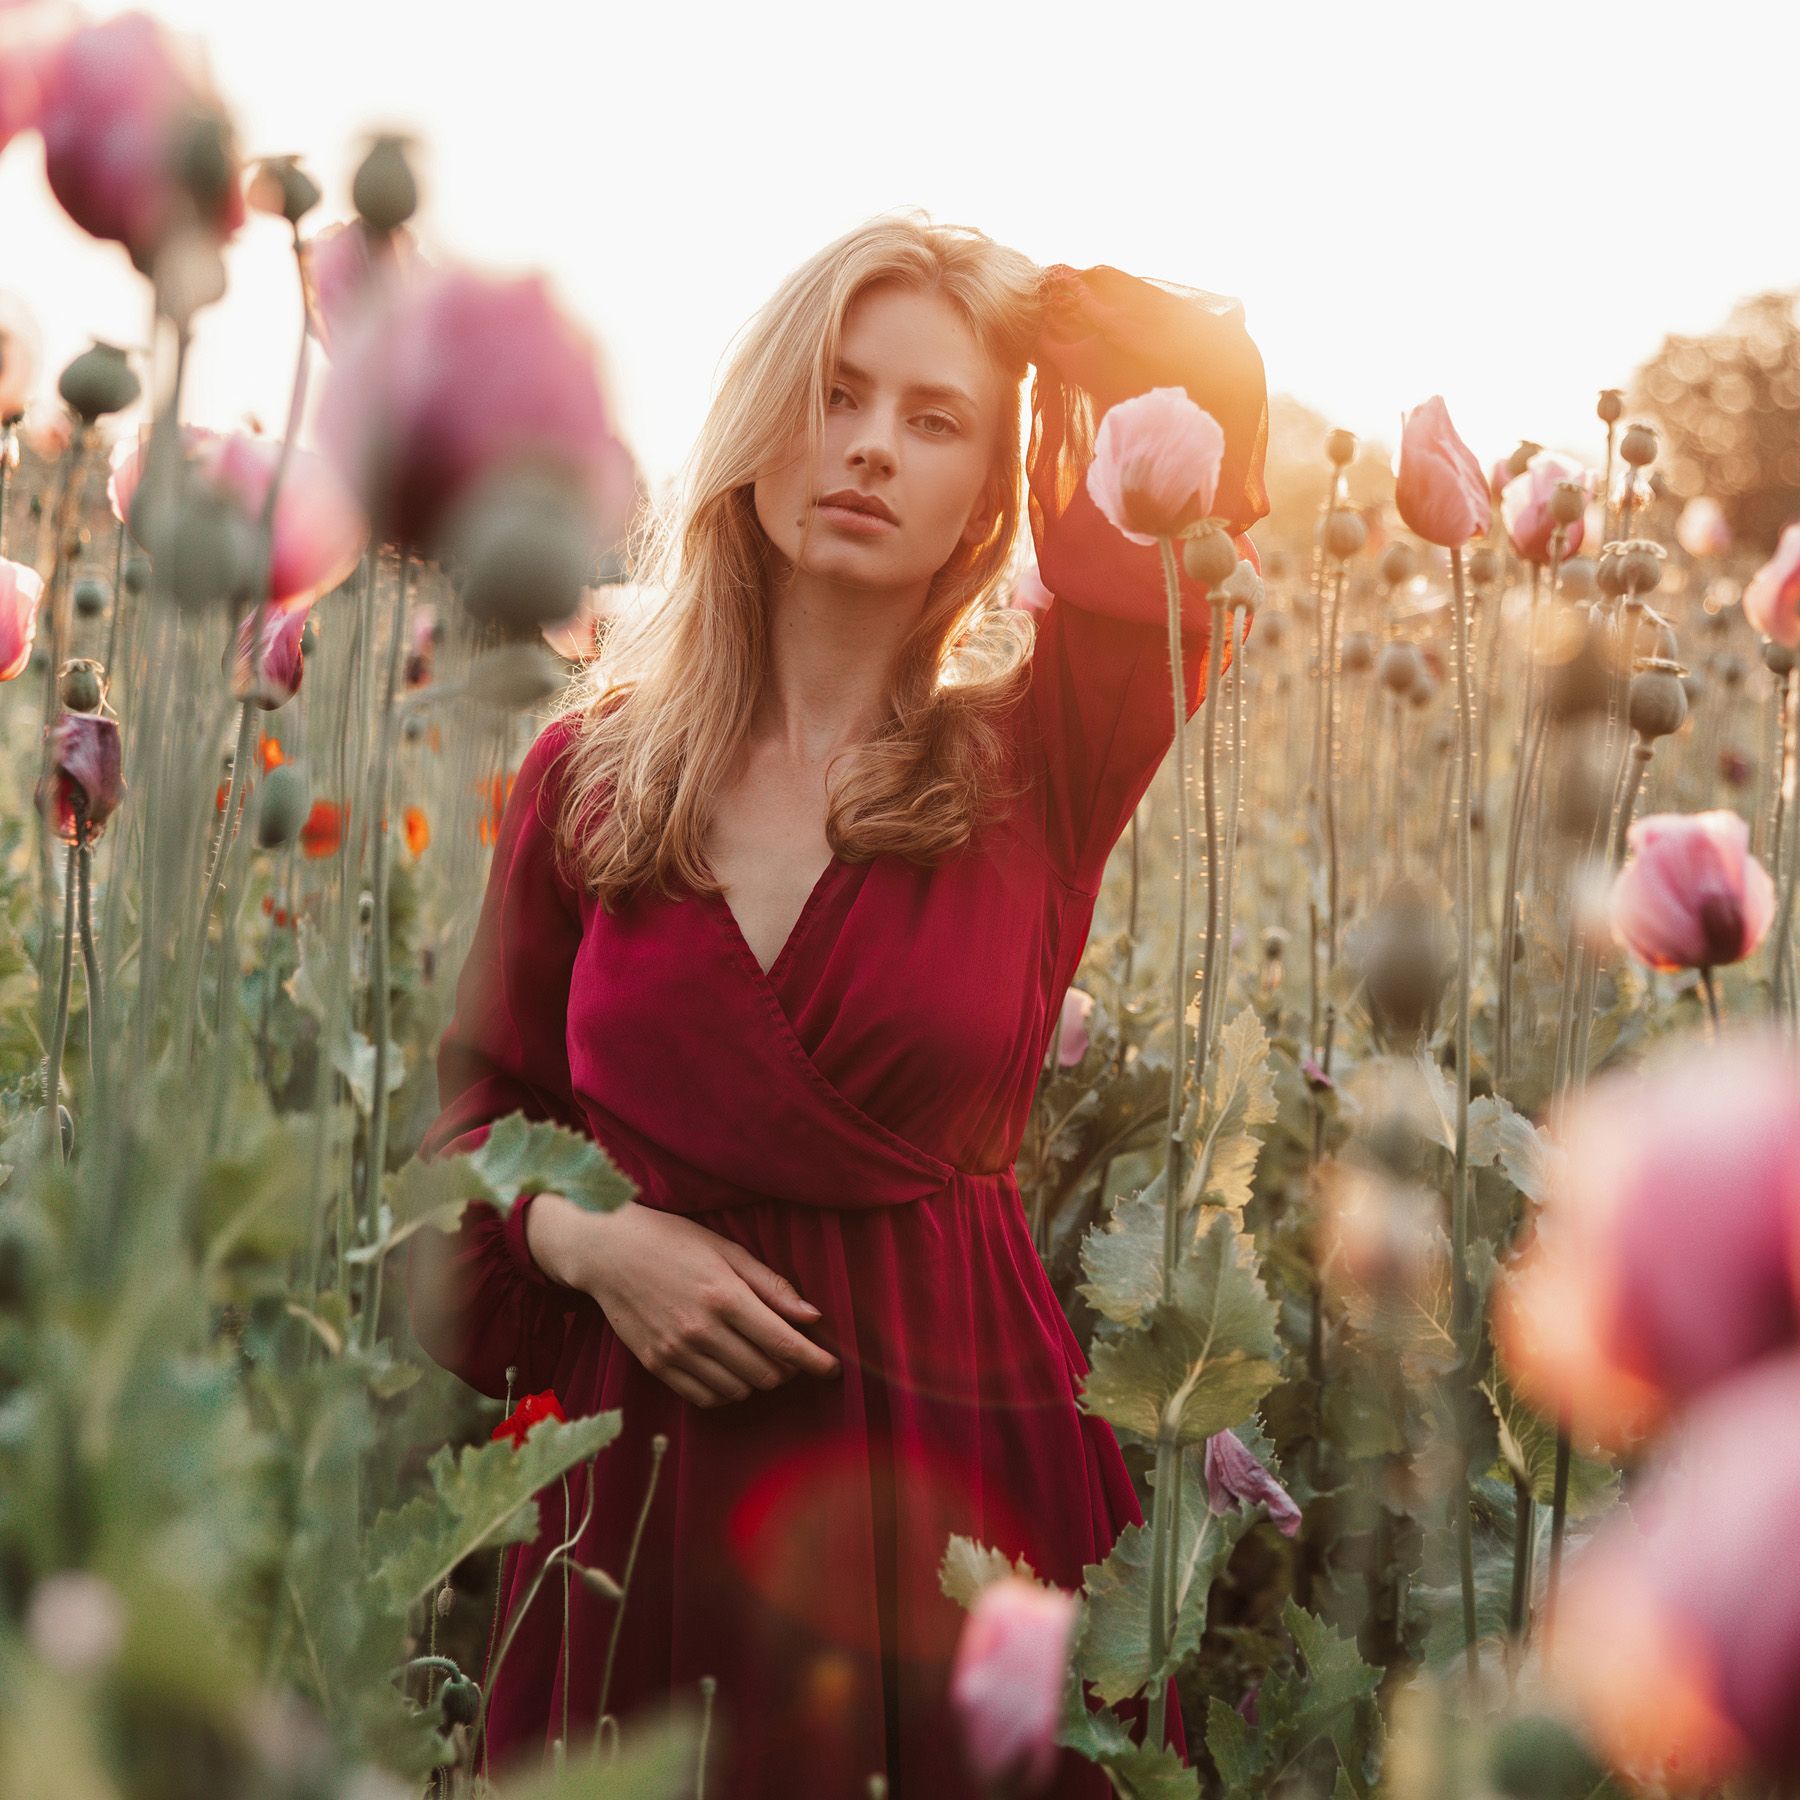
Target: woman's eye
(950, 425)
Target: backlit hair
(665, 704)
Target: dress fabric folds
(851, 1116)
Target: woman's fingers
(729, 1347)
(774, 1337)
(771, 1288)
(716, 1381)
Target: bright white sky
(1508, 205)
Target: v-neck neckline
(730, 919)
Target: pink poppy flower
(1691, 896)
(1007, 1679)
(1072, 1030)
(1439, 490)
(1234, 1477)
(319, 531)
(21, 350)
(458, 378)
(1156, 464)
(1703, 531)
(1030, 595)
(1678, 1636)
(1667, 1248)
(1525, 506)
(282, 663)
(346, 265)
(85, 762)
(20, 594)
(118, 98)
(1772, 594)
(31, 31)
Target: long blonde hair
(662, 709)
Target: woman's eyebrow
(932, 390)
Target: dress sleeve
(1100, 692)
(477, 1301)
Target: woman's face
(911, 420)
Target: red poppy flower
(323, 832)
(418, 830)
(270, 753)
(529, 1412)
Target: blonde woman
(783, 907)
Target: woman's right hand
(696, 1309)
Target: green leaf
(1204, 1358)
(968, 1567)
(1114, 1649)
(1245, 1092)
(484, 1496)
(1528, 1449)
(1236, 1750)
(1123, 1260)
(657, 1761)
(1330, 1696)
(1498, 1134)
(1103, 1737)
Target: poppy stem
(658, 1446)
(1178, 999)
(1710, 989)
(53, 1070)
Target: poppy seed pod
(1643, 567)
(137, 575)
(80, 688)
(1401, 667)
(282, 803)
(1424, 689)
(515, 675)
(1693, 687)
(1580, 684)
(1484, 565)
(1270, 631)
(525, 547)
(1639, 445)
(1242, 587)
(1345, 534)
(1398, 564)
(384, 190)
(1357, 655)
(1274, 942)
(1658, 703)
(1340, 447)
(1609, 577)
(1778, 659)
(1568, 502)
(280, 186)
(459, 1701)
(1521, 457)
(1209, 557)
(1576, 578)
(1611, 406)
(98, 381)
(1407, 961)
(90, 597)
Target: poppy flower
(21, 591)
(270, 753)
(1156, 464)
(1691, 896)
(1525, 506)
(418, 831)
(1072, 1029)
(529, 1412)
(345, 266)
(1007, 1679)
(86, 764)
(323, 833)
(1439, 490)
(282, 663)
(1772, 594)
(1234, 1477)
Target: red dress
(851, 1117)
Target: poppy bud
(1778, 659)
(1210, 557)
(1345, 534)
(282, 803)
(1340, 447)
(90, 597)
(1568, 502)
(446, 1599)
(283, 188)
(1243, 587)
(1398, 563)
(1357, 654)
(98, 381)
(1401, 667)
(1406, 963)
(1576, 578)
(137, 575)
(384, 190)
(1484, 565)
(601, 1583)
(1611, 407)
(1274, 942)
(1639, 445)
(459, 1701)
(1658, 704)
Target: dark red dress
(852, 1117)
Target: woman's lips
(847, 518)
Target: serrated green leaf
(1203, 1359)
(484, 1496)
(967, 1567)
(1498, 1134)
(1114, 1649)
(1237, 1751)
(1528, 1448)
(1103, 1737)
(1330, 1695)
(1123, 1260)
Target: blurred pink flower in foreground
(1525, 506)
(1666, 1254)
(1439, 489)
(346, 267)
(457, 378)
(1072, 1029)
(20, 594)
(1702, 530)
(21, 354)
(1234, 1476)
(120, 99)
(1156, 464)
(85, 763)
(1691, 896)
(1772, 594)
(1678, 1637)
(282, 663)
(1007, 1679)
(319, 531)
(31, 31)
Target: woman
(783, 918)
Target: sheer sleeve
(478, 1302)
(1100, 691)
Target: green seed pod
(1345, 534)
(282, 804)
(459, 1701)
(384, 190)
(137, 574)
(90, 597)
(294, 192)
(1210, 557)
(79, 689)
(1658, 703)
(98, 381)
(524, 547)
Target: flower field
(1417, 1160)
